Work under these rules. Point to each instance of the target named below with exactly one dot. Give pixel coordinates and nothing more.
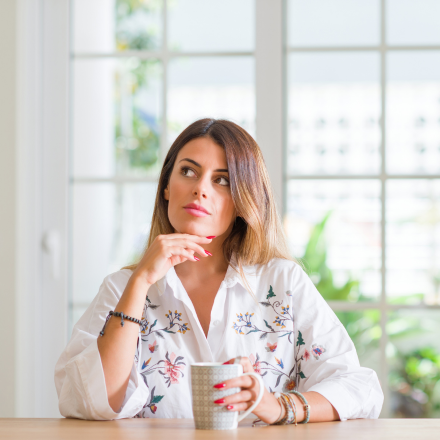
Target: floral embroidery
(280, 362)
(147, 329)
(317, 350)
(271, 347)
(153, 347)
(255, 363)
(171, 369)
(150, 404)
(293, 378)
(283, 316)
(290, 381)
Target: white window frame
(384, 308)
(44, 60)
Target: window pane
(215, 25)
(116, 25)
(221, 87)
(334, 113)
(413, 241)
(116, 117)
(413, 22)
(365, 332)
(333, 22)
(414, 363)
(111, 223)
(413, 112)
(334, 226)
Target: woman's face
(200, 177)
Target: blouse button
(216, 322)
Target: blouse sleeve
(79, 376)
(326, 357)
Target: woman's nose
(201, 188)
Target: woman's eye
(186, 171)
(226, 181)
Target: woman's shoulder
(117, 280)
(276, 267)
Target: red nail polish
(220, 385)
(195, 258)
(208, 253)
(211, 236)
(219, 401)
(230, 406)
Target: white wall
(7, 205)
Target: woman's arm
(118, 344)
(268, 410)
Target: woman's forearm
(321, 410)
(117, 346)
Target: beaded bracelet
(293, 405)
(306, 405)
(121, 314)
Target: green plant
(415, 376)
(137, 133)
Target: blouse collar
(231, 279)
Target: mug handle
(260, 395)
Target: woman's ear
(166, 193)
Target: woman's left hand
(268, 410)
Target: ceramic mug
(207, 414)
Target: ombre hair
(257, 235)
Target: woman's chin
(193, 228)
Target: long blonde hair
(257, 235)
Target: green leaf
(152, 325)
(265, 304)
(252, 331)
(301, 375)
(157, 399)
(300, 340)
(271, 294)
(268, 326)
(168, 331)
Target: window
(363, 180)
(360, 106)
(141, 72)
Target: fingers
(184, 243)
(240, 381)
(243, 406)
(242, 396)
(175, 251)
(195, 238)
(247, 366)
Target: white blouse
(292, 338)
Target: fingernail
(195, 258)
(230, 406)
(224, 363)
(220, 385)
(208, 253)
(211, 236)
(219, 401)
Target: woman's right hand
(166, 251)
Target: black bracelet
(121, 314)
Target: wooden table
(183, 429)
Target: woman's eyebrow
(198, 165)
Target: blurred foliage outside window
(414, 378)
(137, 133)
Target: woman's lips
(196, 212)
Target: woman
(215, 283)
